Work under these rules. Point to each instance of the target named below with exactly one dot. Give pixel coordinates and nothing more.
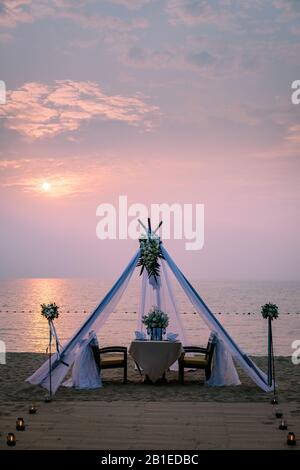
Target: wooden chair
(202, 359)
(112, 357)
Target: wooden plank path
(150, 425)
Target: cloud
(15, 11)
(131, 4)
(10, 164)
(290, 7)
(142, 57)
(193, 12)
(232, 14)
(84, 43)
(104, 22)
(294, 134)
(68, 174)
(36, 110)
(201, 59)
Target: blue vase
(156, 334)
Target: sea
(236, 304)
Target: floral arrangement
(50, 311)
(269, 311)
(150, 253)
(156, 318)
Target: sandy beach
(140, 416)
(13, 387)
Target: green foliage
(156, 318)
(270, 311)
(50, 311)
(150, 253)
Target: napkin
(172, 336)
(140, 335)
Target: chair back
(210, 349)
(96, 353)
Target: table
(155, 357)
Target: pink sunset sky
(165, 101)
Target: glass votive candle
(291, 439)
(32, 410)
(20, 424)
(11, 439)
(283, 425)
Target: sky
(163, 101)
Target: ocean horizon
(236, 305)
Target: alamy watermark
(295, 97)
(296, 353)
(180, 221)
(2, 352)
(2, 92)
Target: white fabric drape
(251, 369)
(85, 373)
(62, 363)
(151, 294)
(223, 371)
(160, 295)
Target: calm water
(23, 328)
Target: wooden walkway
(151, 425)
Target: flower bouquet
(51, 312)
(269, 311)
(150, 253)
(156, 322)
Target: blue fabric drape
(257, 375)
(61, 363)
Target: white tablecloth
(155, 357)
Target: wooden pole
(144, 227)
(158, 227)
(273, 366)
(270, 363)
(50, 368)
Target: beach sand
(140, 416)
(21, 365)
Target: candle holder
(283, 425)
(32, 410)
(11, 439)
(274, 401)
(20, 424)
(278, 414)
(291, 439)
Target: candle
(11, 439)
(32, 409)
(291, 439)
(278, 414)
(274, 401)
(20, 424)
(283, 425)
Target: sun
(46, 187)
